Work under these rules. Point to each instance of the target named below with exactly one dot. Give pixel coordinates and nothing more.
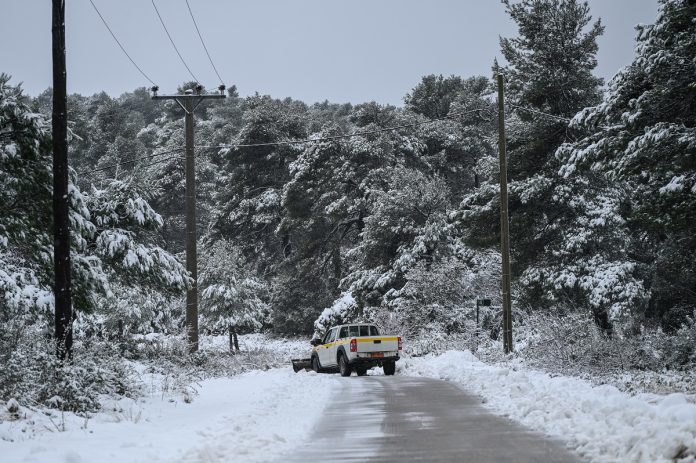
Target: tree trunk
(601, 318)
(121, 343)
(234, 341)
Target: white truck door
(341, 335)
(323, 351)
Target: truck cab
(357, 346)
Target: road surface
(400, 419)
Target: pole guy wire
(203, 42)
(119, 43)
(172, 42)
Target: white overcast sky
(312, 50)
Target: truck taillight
(353, 345)
(401, 343)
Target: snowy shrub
(79, 386)
(444, 292)
(572, 343)
(32, 374)
(682, 346)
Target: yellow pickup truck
(358, 347)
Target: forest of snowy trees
(399, 227)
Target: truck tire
(343, 365)
(315, 364)
(361, 371)
(389, 368)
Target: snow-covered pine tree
(232, 296)
(25, 185)
(566, 237)
(643, 135)
(248, 189)
(111, 227)
(406, 223)
(320, 215)
(451, 147)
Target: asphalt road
(398, 419)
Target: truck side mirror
(315, 341)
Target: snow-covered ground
(262, 415)
(600, 423)
(283, 349)
(254, 417)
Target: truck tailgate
(368, 344)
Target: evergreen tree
(643, 134)
(434, 95)
(407, 223)
(111, 228)
(556, 252)
(232, 296)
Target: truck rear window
(364, 330)
(354, 331)
(373, 331)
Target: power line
(203, 43)
(132, 160)
(553, 116)
(172, 41)
(163, 160)
(338, 137)
(286, 142)
(540, 113)
(119, 43)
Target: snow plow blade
(301, 364)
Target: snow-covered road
(399, 418)
(277, 415)
(254, 417)
(600, 423)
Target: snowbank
(600, 423)
(282, 348)
(254, 417)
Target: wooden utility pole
(189, 102)
(61, 222)
(504, 222)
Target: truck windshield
(329, 336)
(373, 331)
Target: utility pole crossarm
(181, 98)
(189, 102)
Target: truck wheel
(315, 364)
(343, 365)
(389, 368)
(361, 371)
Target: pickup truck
(351, 347)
